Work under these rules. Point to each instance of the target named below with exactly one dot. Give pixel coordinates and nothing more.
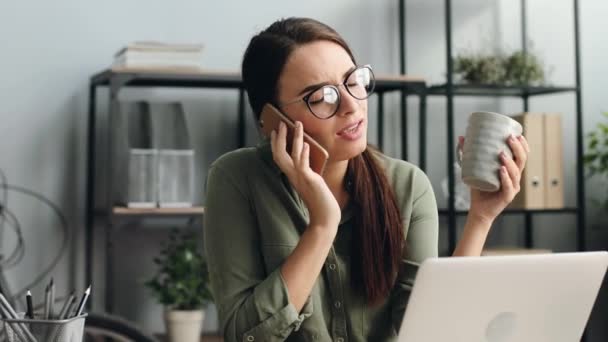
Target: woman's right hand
(323, 208)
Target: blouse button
(250, 338)
(337, 305)
(339, 339)
(332, 266)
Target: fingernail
(512, 137)
(502, 154)
(503, 169)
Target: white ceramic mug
(486, 136)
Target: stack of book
(157, 55)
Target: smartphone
(271, 117)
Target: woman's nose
(348, 104)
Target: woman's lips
(353, 131)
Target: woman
(297, 256)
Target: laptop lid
(540, 298)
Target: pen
(30, 306)
(52, 299)
(83, 301)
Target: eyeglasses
(324, 101)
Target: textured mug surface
(486, 136)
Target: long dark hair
(378, 239)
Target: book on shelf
(152, 46)
(154, 55)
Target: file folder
(554, 167)
(532, 191)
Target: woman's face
(344, 135)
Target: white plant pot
(184, 326)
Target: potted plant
(181, 285)
(596, 158)
(479, 69)
(523, 69)
(516, 69)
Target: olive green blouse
(253, 221)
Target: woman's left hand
(486, 206)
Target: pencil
(30, 306)
(52, 299)
(83, 301)
(11, 314)
(66, 307)
(47, 297)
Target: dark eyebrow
(319, 85)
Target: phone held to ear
(271, 117)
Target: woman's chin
(349, 151)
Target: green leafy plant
(478, 69)
(519, 68)
(523, 69)
(596, 158)
(181, 281)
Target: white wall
(50, 49)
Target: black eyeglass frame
(306, 97)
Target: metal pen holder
(39, 330)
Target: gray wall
(50, 49)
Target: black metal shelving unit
(111, 216)
(450, 90)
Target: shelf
(386, 83)
(115, 79)
(170, 78)
(520, 211)
(226, 79)
(497, 90)
(128, 212)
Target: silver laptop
(523, 298)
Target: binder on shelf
(134, 158)
(532, 191)
(175, 157)
(554, 167)
(153, 159)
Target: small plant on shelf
(479, 69)
(518, 68)
(181, 285)
(596, 157)
(523, 69)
